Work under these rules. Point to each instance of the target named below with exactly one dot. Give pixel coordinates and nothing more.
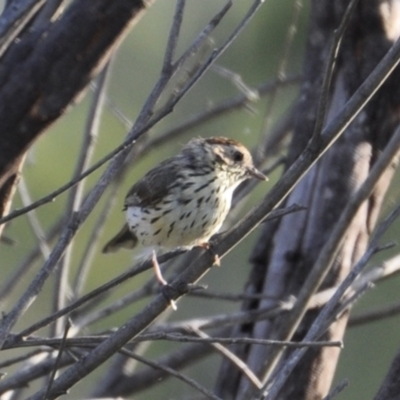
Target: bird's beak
(255, 173)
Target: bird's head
(227, 156)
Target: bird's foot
(172, 291)
(209, 246)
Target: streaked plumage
(185, 199)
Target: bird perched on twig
(185, 199)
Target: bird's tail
(124, 238)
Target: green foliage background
(256, 56)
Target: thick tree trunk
(286, 251)
(47, 68)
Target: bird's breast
(182, 219)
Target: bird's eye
(238, 156)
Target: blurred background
(257, 56)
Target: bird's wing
(154, 186)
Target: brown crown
(223, 141)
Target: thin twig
(184, 356)
(18, 271)
(337, 389)
(242, 340)
(376, 274)
(75, 196)
(177, 96)
(330, 67)
(145, 290)
(251, 94)
(173, 372)
(223, 320)
(33, 219)
(90, 341)
(173, 36)
(124, 147)
(218, 110)
(388, 268)
(375, 314)
(202, 37)
(21, 378)
(58, 359)
(96, 292)
(348, 301)
(89, 252)
(235, 297)
(16, 360)
(84, 265)
(281, 73)
(235, 360)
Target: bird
(183, 201)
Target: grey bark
(287, 250)
(47, 68)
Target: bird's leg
(160, 278)
(209, 247)
(171, 290)
(157, 269)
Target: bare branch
(323, 263)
